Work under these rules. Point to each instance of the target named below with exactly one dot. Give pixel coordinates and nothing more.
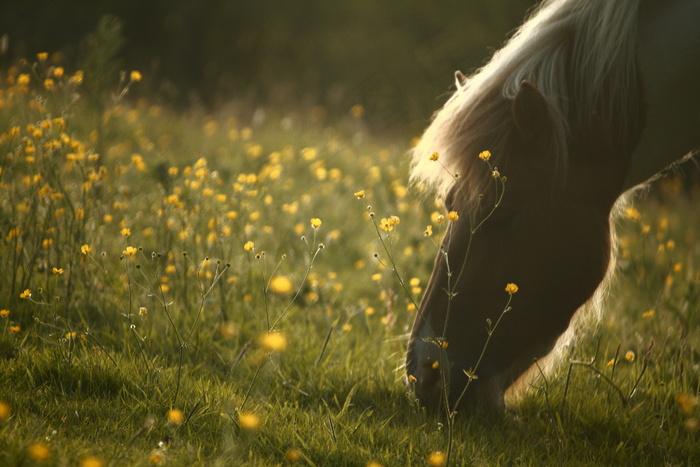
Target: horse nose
(424, 373)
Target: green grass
(93, 361)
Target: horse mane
(580, 54)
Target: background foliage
(394, 58)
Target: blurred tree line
(395, 58)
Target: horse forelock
(580, 54)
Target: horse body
(669, 64)
(569, 138)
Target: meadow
(237, 288)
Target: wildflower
(5, 410)
(292, 455)
(439, 219)
(39, 451)
(453, 216)
(157, 457)
(58, 71)
(281, 285)
(686, 403)
(23, 79)
(610, 363)
(511, 288)
(175, 416)
(26, 294)
(435, 365)
(357, 111)
(249, 246)
(248, 420)
(412, 378)
(4, 313)
(360, 194)
(273, 341)
(437, 459)
(485, 155)
(49, 83)
(15, 329)
(125, 232)
(434, 156)
(42, 56)
(316, 222)
(648, 314)
(135, 76)
(384, 224)
(630, 356)
(632, 213)
(91, 461)
(428, 231)
(130, 251)
(85, 249)
(57, 271)
(143, 311)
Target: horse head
(547, 234)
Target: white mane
(579, 51)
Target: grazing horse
(588, 100)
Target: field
(184, 288)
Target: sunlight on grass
(188, 288)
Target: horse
(587, 102)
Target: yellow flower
(49, 83)
(143, 311)
(135, 76)
(360, 194)
(85, 249)
(58, 71)
(511, 288)
(453, 216)
(26, 294)
(632, 213)
(125, 232)
(4, 313)
(485, 155)
(434, 156)
(249, 246)
(281, 285)
(42, 56)
(248, 420)
(686, 403)
(412, 378)
(292, 455)
(648, 314)
(273, 341)
(5, 410)
(630, 356)
(57, 271)
(175, 416)
(357, 111)
(437, 459)
(23, 79)
(157, 457)
(15, 329)
(91, 461)
(130, 251)
(316, 222)
(435, 365)
(384, 224)
(39, 451)
(428, 231)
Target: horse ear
(530, 112)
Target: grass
(152, 332)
